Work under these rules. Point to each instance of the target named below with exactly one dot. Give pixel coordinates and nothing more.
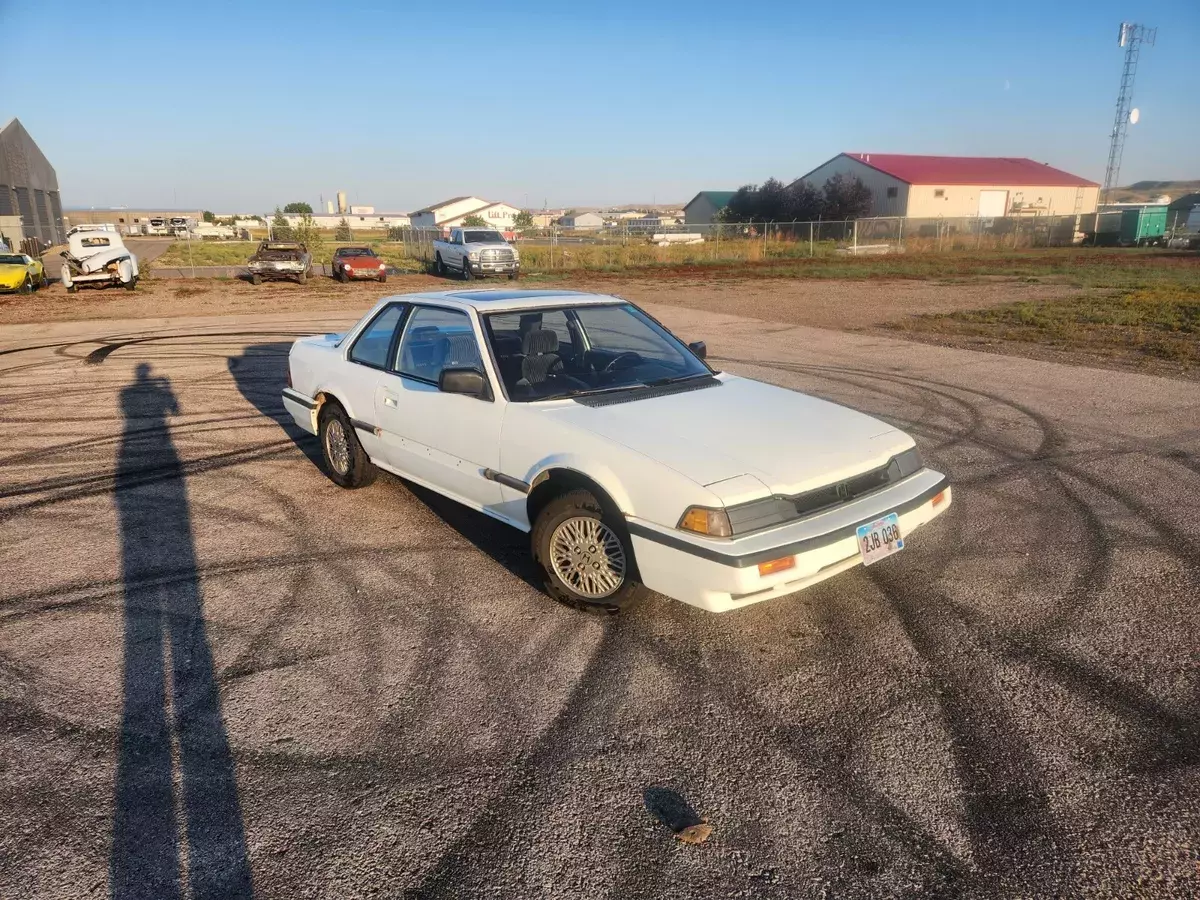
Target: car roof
(502, 300)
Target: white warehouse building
(451, 213)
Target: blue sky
(242, 106)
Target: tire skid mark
(75, 488)
(114, 588)
(1007, 807)
(540, 763)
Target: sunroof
(483, 296)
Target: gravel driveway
(220, 674)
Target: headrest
(540, 340)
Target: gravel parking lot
(220, 671)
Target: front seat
(542, 368)
(540, 349)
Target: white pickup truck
(475, 252)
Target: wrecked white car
(100, 258)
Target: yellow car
(22, 273)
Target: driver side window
(436, 339)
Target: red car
(358, 262)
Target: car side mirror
(470, 382)
(699, 348)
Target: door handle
(389, 400)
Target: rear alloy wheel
(586, 558)
(346, 462)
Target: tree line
(842, 197)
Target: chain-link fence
(621, 246)
(624, 246)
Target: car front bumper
(722, 575)
(364, 274)
(495, 268)
(277, 271)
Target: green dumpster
(1143, 225)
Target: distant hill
(1144, 191)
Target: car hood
(361, 262)
(790, 442)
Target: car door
(443, 440)
(356, 381)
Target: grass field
(1131, 305)
(1134, 304)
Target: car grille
(757, 514)
(496, 256)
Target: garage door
(993, 203)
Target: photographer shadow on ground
(172, 705)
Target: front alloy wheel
(588, 557)
(585, 555)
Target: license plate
(880, 539)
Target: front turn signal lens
(777, 565)
(939, 498)
(702, 520)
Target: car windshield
(7, 259)
(572, 351)
(482, 237)
(355, 251)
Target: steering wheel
(634, 359)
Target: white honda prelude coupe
(581, 420)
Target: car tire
(561, 534)
(512, 277)
(383, 277)
(256, 279)
(301, 278)
(346, 463)
(439, 267)
(466, 270)
(341, 276)
(71, 289)
(131, 284)
(26, 286)
(45, 282)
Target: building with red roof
(903, 184)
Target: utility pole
(1131, 37)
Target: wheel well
(556, 482)
(322, 399)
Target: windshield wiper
(591, 392)
(674, 379)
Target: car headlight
(904, 464)
(473, 255)
(703, 520)
(382, 267)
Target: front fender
(597, 472)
